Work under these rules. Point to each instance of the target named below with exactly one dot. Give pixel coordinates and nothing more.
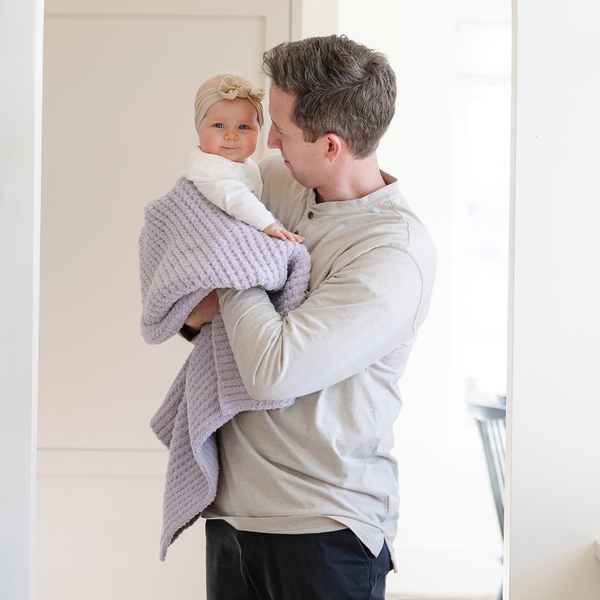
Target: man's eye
(219, 125)
(243, 127)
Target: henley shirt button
(310, 214)
(295, 233)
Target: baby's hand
(279, 231)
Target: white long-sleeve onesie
(234, 187)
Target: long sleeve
(230, 186)
(359, 314)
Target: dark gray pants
(242, 565)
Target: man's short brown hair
(339, 86)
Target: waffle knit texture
(188, 247)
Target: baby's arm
(221, 183)
(279, 231)
(234, 197)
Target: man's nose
(273, 140)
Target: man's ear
(334, 146)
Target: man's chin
(295, 175)
(289, 166)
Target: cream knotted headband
(229, 89)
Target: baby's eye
(219, 125)
(243, 127)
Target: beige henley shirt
(325, 462)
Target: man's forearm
(346, 325)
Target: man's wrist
(189, 333)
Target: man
(307, 501)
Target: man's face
(305, 160)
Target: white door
(119, 85)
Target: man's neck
(351, 179)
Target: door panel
(119, 86)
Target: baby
(228, 119)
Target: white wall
(20, 150)
(554, 499)
(319, 17)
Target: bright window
(481, 168)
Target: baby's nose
(231, 134)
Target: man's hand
(203, 313)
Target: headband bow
(228, 89)
(231, 88)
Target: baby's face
(230, 129)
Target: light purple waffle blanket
(188, 247)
